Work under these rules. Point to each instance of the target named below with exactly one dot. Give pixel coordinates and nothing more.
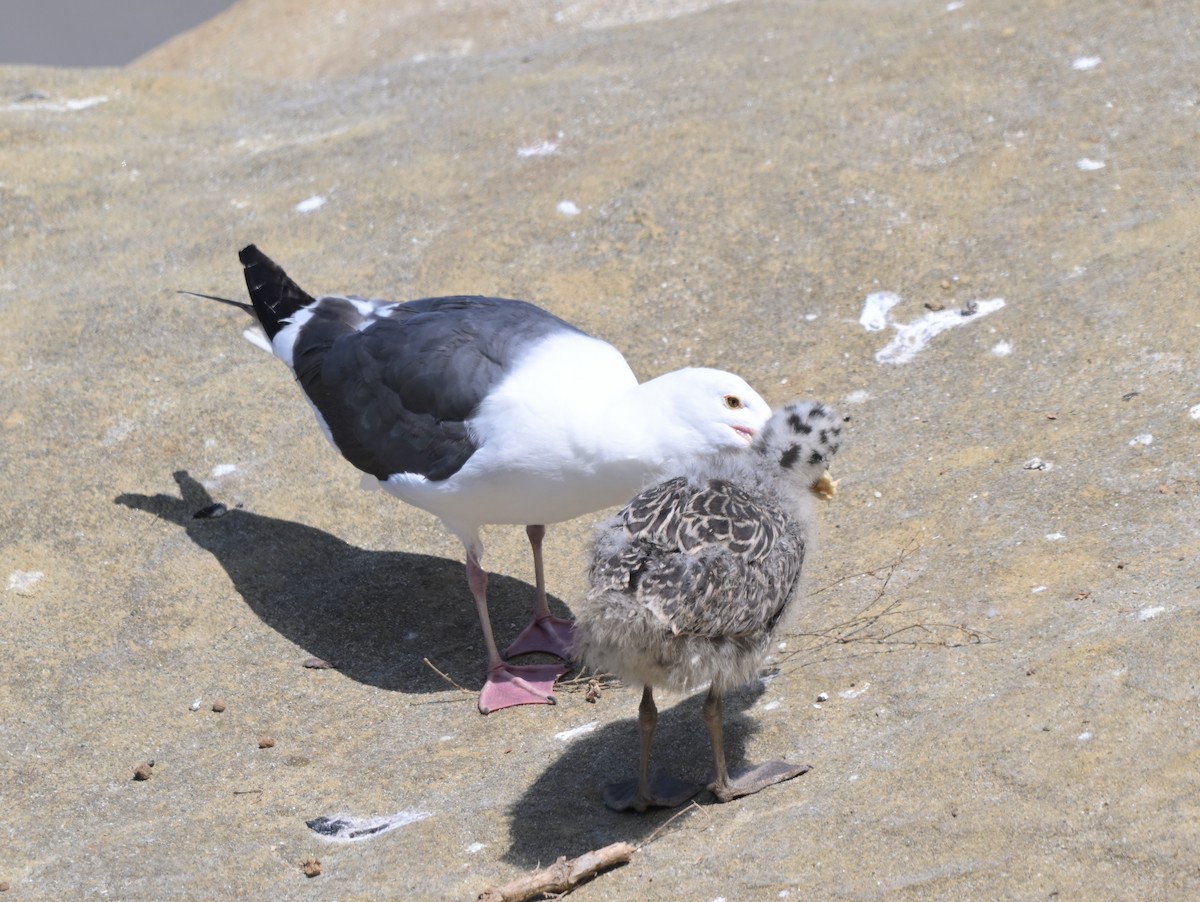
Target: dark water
(94, 32)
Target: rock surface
(1003, 609)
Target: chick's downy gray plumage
(689, 581)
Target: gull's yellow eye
(733, 402)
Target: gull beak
(825, 487)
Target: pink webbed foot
(509, 685)
(551, 635)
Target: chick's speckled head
(801, 439)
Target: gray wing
(709, 561)
(396, 388)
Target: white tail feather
(257, 337)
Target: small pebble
(195, 706)
(3, 886)
(143, 771)
(266, 742)
(822, 696)
(317, 664)
(309, 204)
(312, 867)
(218, 706)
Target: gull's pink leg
(545, 632)
(507, 685)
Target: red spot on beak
(744, 431)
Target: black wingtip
(251, 254)
(274, 295)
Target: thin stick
(871, 625)
(663, 826)
(447, 678)
(906, 552)
(583, 677)
(561, 877)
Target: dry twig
(447, 678)
(874, 623)
(592, 684)
(663, 826)
(905, 553)
(561, 877)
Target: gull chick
(691, 578)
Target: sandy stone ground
(970, 226)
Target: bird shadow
(370, 614)
(563, 813)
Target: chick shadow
(374, 615)
(563, 812)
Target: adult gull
(691, 578)
(487, 410)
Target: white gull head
(701, 412)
